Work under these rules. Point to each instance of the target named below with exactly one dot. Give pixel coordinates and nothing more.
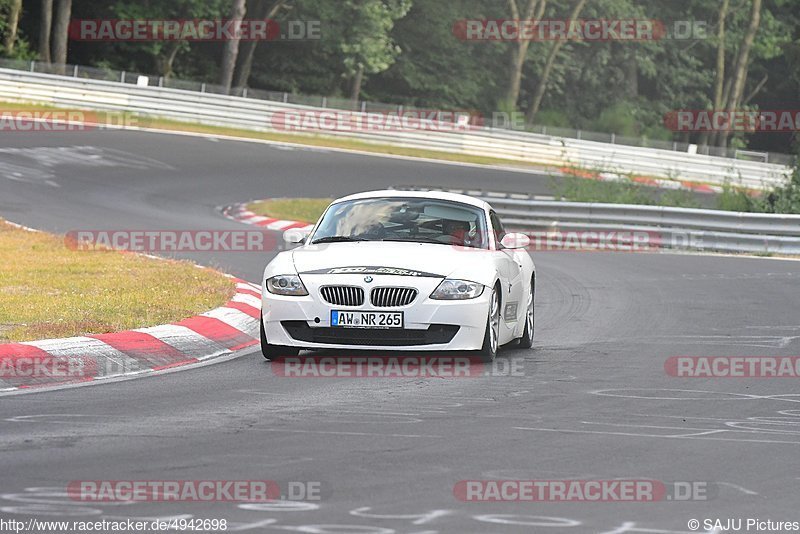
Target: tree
(231, 49)
(367, 46)
(61, 33)
(160, 56)
(431, 57)
(356, 42)
(595, 84)
(541, 85)
(45, 27)
(14, 12)
(720, 63)
(264, 9)
(520, 49)
(386, 51)
(742, 65)
(719, 79)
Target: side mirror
(515, 241)
(295, 236)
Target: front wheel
(526, 341)
(491, 338)
(272, 352)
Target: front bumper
(304, 322)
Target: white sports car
(397, 270)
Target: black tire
(526, 341)
(272, 352)
(491, 338)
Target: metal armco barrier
(258, 115)
(673, 228)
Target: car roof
(438, 195)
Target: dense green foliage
(625, 191)
(783, 199)
(408, 52)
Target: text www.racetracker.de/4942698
(128, 525)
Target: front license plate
(356, 319)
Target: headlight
(451, 289)
(287, 284)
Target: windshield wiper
(337, 239)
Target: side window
(497, 226)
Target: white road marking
(343, 433)
(661, 436)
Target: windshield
(417, 220)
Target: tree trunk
(355, 88)
(520, 51)
(740, 72)
(720, 74)
(248, 49)
(231, 50)
(757, 89)
(45, 27)
(515, 80)
(164, 62)
(726, 90)
(538, 94)
(630, 68)
(245, 68)
(61, 33)
(720, 78)
(13, 25)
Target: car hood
(406, 259)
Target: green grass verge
(51, 291)
(575, 189)
(292, 209)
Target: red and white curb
(59, 362)
(240, 213)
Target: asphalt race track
(593, 400)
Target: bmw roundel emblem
(368, 279)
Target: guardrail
(672, 228)
(257, 115)
(499, 120)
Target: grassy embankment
(48, 290)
